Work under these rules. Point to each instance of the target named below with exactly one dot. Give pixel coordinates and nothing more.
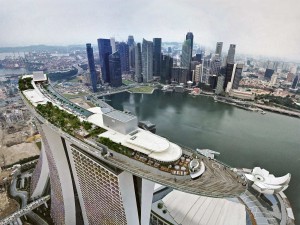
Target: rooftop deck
(217, 181)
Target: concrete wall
(58, 152)
(43, 175)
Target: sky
(258, 27)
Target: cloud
(266, 27)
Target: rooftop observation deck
(218, 180)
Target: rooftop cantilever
(217, 180)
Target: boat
(208, 153)
(263, 112)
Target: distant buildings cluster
(145, 62)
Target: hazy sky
(267, 27)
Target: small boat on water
(263, 112)
(208, 153)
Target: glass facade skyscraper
(219, 47)
(123, 50)
(115, 70)
(157, 56)
(91, 62)
(231, 53)
(138, 63)
(186, 54)
(190, 36)
(104, 51)
(147, 60)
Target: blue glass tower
(115, 69)
(157, 56)
(104, 52)
(91, 61)
(123, 50)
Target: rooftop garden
(117, 147)
(25, 84)
(67, 121)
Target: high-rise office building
(198, 73)
(105, 50)
(130, 40)
(123, 50)
(190, 36)
(197, 57)
(115, 70)
(269, 73)
(220, 85)
(215, 65)
(228, 74)
(138, 63)
(186, 54)
(131, 45)
(213, 79)
(273, 79)
(166, 69)
(219, 47)
(295, 82)
(113, 44)
(180, 74)
(231, 54)
(91, 62)
(147, 60)
(237, 76)
(157, 57)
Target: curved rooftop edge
(217, 181)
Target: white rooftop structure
(267, 183)
(143, 141)
(189, 209)
(35, 97)
(39, 76)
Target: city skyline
(268, 30)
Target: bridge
(26, 210)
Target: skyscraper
(186, 54)
(220, 85)
(268, 73)
(131, 45)
(147, 60)
(113, 44)
(273, 79)
(115, 70)
(231, 53)
(190, 36)
(295, 82)
(130, 40)
(198, 73)
(215, 65)
(228, 74)
(219, 47)
(180, 74)
(166, 69)
(237, 76)
(138, 63)
(104, 51)
(156, 56)
(91, 61)
(123, 50)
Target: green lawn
(143, 89)
(127, 82)
(75, 96)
